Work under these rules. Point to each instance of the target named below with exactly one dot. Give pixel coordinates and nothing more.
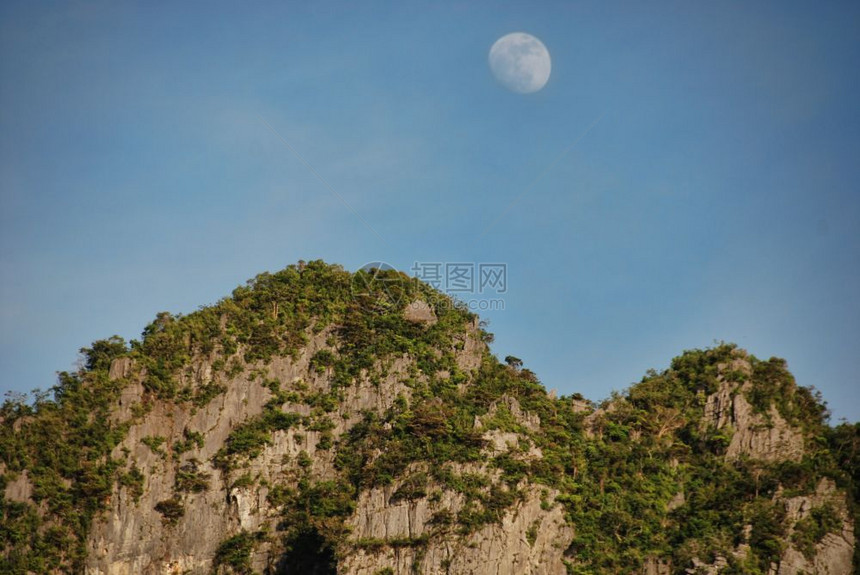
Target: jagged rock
(420, 311)
(656, 567)
(120, 368)
(20, 488)
(528, 541)
(132, 537)
(419, 455)
(767, 437)
(701, 568)
(834, 553)
(386, 532)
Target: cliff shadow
(308, 553)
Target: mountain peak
(321, 421)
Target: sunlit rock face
(381, 437)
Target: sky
(689, 174)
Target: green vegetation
(191, 440)
(532, 532)
(809, 531)
(133, 481)
(249, 438)
(617, 472)
(234, 553)
(63, 444)
(774, 385)
(171, 510)
(394, 542)
(154, 442)
(843, 442)
(651, 445)
(190, 480)
(245, 480)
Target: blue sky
(716, 198)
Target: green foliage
(21, 532)
(374, 545)
(615, 473)
(191, 480)
(844, 446)
(154, 442)
(103, 352)
(171, 510)
(303, 460)
(623, 480)
(774, 385)
(234, 553)
(532, 532)
(321, 360)
(503, 420)
(322, 500)
(64, 444)
(314, 512)
(191, 440)
(244, 480)
(250, 438)
(767, 537)
(133, 480)
(413, 487)
(809, 531)
(164, 350)
(207, 392)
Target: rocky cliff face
(299, 427)
(768, 437)
(834, 552)
(402, 533)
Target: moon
(520, 62)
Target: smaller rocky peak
(746, 404)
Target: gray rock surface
(385, 532)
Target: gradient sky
(717, 197)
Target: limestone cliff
(306, 426)
(384, 530)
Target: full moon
(520, 62)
